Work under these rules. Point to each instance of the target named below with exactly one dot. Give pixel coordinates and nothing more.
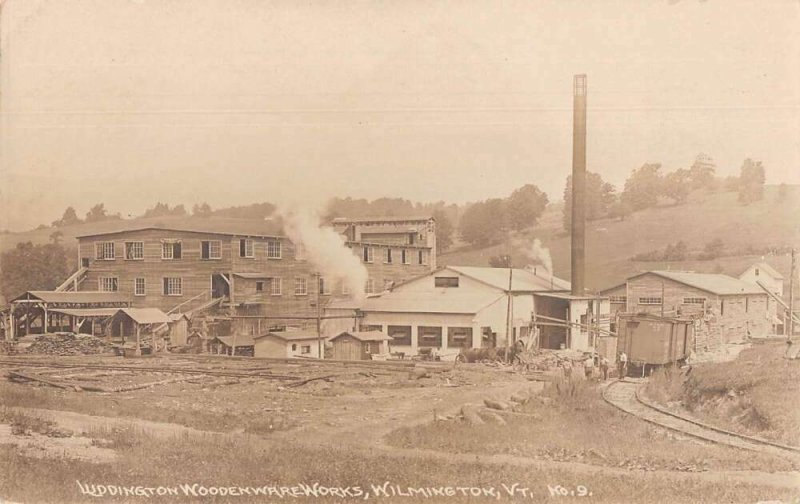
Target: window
(211, 249)
(324, 287)
(445, 282)
(367, 348)
(171, 249)
(276, 287)
(722, 307)
(108, 284)
(421, 257)
(345, 288)
(84, 262)
(104, 251)
(404, 256)
(694, 300)
(259, 286)
(306, 349)
(138, 287)
(367, 254)
(401, 335)
(274, 250)
(430, 336)
(388, 258)
(173, 286)
(618, 299)
(246, 248)
(387, 284)
(650, 300)
(756, 271)
(369, 287)
(459, 337)
(300, 287)
(746, 304)
(134, 251)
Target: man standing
(604, 367)
(588, 367)
(623, 365)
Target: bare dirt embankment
(755, 394)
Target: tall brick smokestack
(578, 184)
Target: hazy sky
(130, 102)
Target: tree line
(647, 185)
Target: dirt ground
(345, 413)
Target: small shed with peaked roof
(283, 344)
(360, 345)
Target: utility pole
(320, 345)
(508, 309)
(791, 295)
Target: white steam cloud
(535, 253)
(325, 249)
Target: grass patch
(757, 393)
(23, 424)
(578, 425)
(243, 461)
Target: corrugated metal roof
(75, 297)
(521, 279)
(145, 315)
(711, 282)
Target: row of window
(427, 336)
(170, 286)
(173, 249)
(657, 300)
(389, 256)
(173, 286)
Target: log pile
(68, 344)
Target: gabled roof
(714, 283)
(241, 340)
(80, 297)
(86, 312)
(145, 315)
(291, 335)
(366, 335)
(766, 268)
(522, 280)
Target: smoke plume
(325, 249)
(535, 253)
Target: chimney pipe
(578, 185)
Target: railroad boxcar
(650, 340)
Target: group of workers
(597, 361)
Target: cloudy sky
(130, 102)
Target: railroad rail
(624, 395)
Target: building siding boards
(727, 318)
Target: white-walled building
(764, 274)
(462, 307)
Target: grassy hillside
(611, 243)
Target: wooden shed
(283, 344)
(178, 329)
(358, 345)
(236, 344)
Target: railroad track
(624, 396)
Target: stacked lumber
(68, 343)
